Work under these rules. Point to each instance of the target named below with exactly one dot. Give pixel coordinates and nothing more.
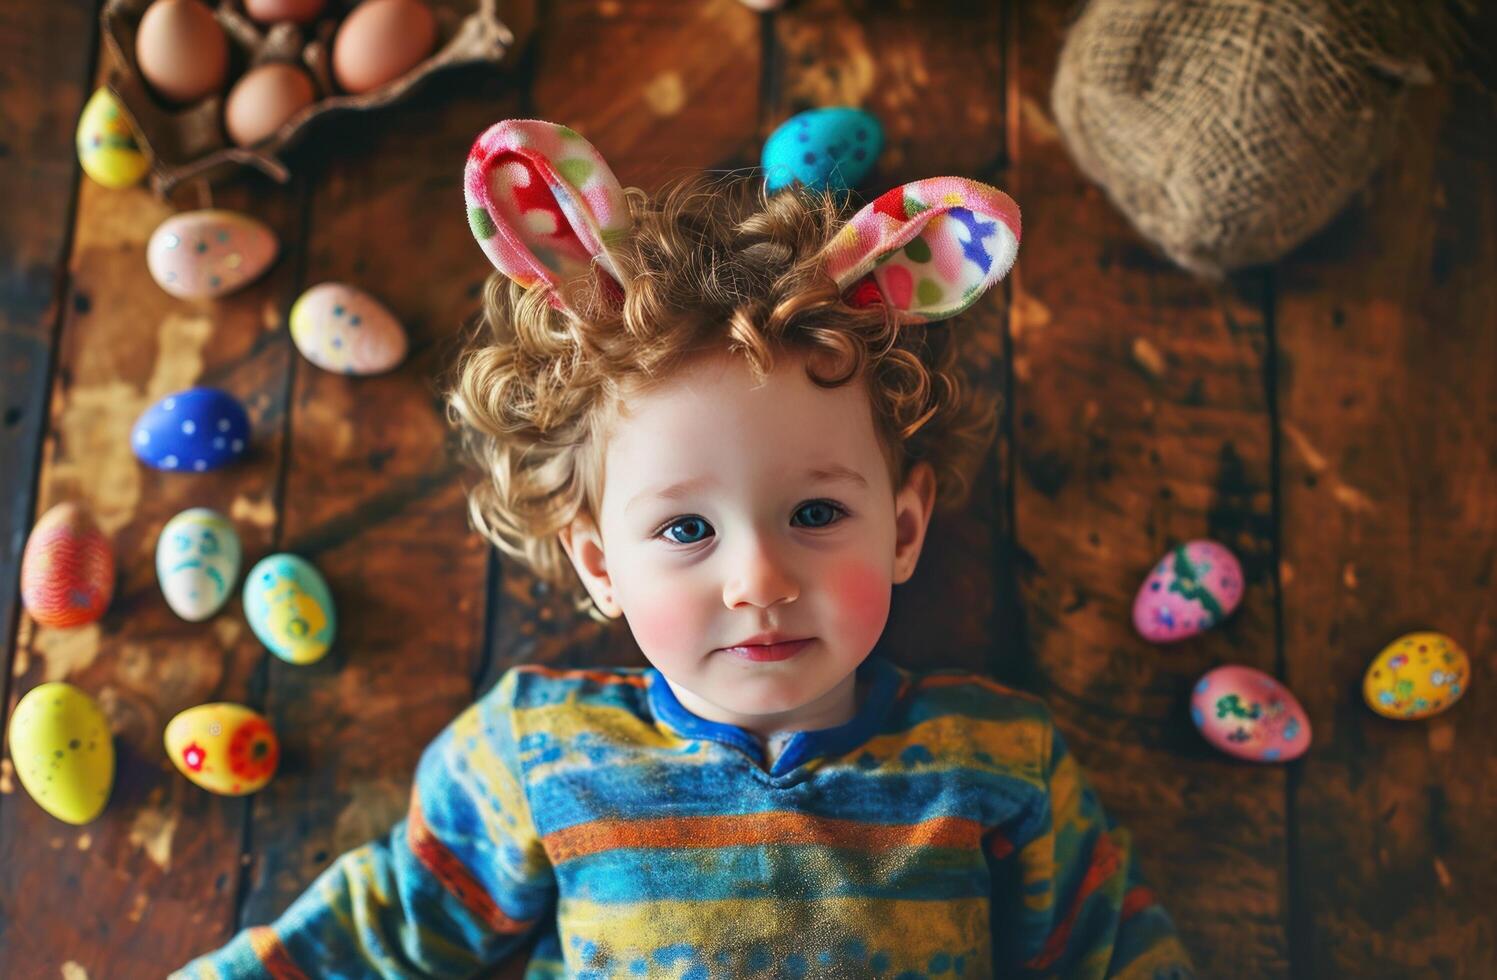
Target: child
(671, 389)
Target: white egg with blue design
(197, 562)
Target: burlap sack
(1228, 131)
(189, 142)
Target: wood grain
(162, 844)
(372, 493)
(45, 61)
(1331, 420)
(1388, 422)
(1141, 421)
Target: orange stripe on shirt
(454, 876)
(596, 676)
(757, 828)
(273, 955)
(1106, 860)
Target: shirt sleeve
(457, 885)
(1068, 898)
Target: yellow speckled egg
(108, 147)
(223, 747)
(1416, 676)
(63, 751)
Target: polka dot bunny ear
(929, 248)
(545, 208)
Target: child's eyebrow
(835, 473)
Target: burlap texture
(1228, 131)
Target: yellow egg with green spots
(63, 751)
(1416, 676)
(108, 147)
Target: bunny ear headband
(546, 210)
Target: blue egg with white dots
(192, 431)
(822, 148)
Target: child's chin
(752, 704)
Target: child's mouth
(768, 651)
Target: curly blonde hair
(710, 265)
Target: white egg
(197, 562)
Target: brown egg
(273, 11)
(265, 98)
(182, 50)
(380, 41)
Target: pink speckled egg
(1246, 713)
(1191, 589)
(343, 329)
(207, 254)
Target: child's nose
(762, 578)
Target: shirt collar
(882, 679)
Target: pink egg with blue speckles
(207, 254)
(1191, 589)
(1248, 714)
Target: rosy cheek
(663, 622)
(861, 592)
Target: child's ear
(584, 546)
(544, 207)
(928, 249)
(912, 507)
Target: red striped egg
(67, 569)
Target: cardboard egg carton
(188, 142)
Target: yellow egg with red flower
(223, 747)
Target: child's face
(755, 543)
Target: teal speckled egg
(289, 607)
(832, 147)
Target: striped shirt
(589, 818)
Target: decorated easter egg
(205, 254)
(289, 607)
(193, 431)
(1190, 590)
(108, 147)
(63, 751)
(1416, 676)
(197, 562)
(67, 568)
(344, 329)
(1246, 713)
(223, 747)
(833, 147)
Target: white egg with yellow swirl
(197, 562)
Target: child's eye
(818, 513)
(821, 513)
(696, 530)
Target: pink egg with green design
(1191, 589)
(1250, 715)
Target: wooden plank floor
(1331, 418)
